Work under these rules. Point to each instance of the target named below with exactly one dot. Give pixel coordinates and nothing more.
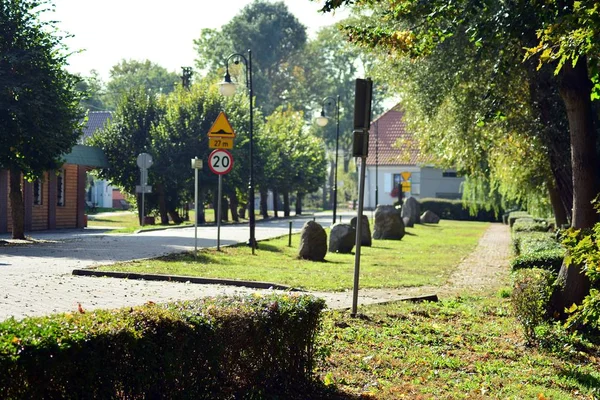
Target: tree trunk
(299, 197)
(575, 88)
(264, 210)
(17, 206)
(325, 195)
(286, 204)
(162, 204)
(224, 209)
(233, 207)
(275, 204)
(560, 215)
(175, 217)
(554, 133)
(201, 217)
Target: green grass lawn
(462, 348)
(127, 222)
(425, 256)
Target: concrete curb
(180, 278)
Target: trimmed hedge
(550, 260)
(215, 348)
(514, 215)
(454, 210)
(530, 225)
(532, 242)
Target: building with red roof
(395, 160)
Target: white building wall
(102, 194)
(425, 182)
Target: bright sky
(161, 31)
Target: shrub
(530, 225)
(455, 210)
(550, 260)
(533, 242)
(202, 349)
(513, 216)
(531, 299)
(584, 249)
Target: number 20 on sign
(220, 161)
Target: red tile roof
(396, 145)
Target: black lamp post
(322, 121)
(227, 88)
(376, 163)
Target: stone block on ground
(411, 209)
(366, 230)
(429, 217)
(313, 242)
(388, 223)
(342, 238)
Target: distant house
(99, 191)
(395, 161)
(58, 200)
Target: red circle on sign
(220, 161)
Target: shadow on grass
(202, 257)
(584, 379)
(315, 391)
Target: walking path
(39, 281)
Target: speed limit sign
(220, 161)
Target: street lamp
(322, 121)
(228, 88)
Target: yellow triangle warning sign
(221, 127)
(405, 176)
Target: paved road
(35, 279)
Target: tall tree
(39, 103)
(130, 74)
(295, 160)
(93, 91)
(275, 37)
(559, 33)
(126, 135)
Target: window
(60, 188)
(37, 192)
(449, 174)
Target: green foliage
(530, 225)
(531, 298)
(550, 260)
(275, 37)
(514, 215)
(456, 210)
(533, 242)
(294, 159)
(40, 115)
(202, 349)
(583, 249)
(132, 74)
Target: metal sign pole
(143, 184)
(361, 192)
(219, 213)
(195, 212)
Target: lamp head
(227, 88)
(322, 120)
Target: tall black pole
(227, 79)
(251, 181)
(337, 139)
(376, 163)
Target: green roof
(89, 156)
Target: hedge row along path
(36, 279)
